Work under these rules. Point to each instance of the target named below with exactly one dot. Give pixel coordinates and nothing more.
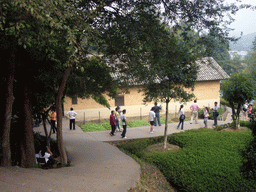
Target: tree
(171, 73)
(34, 24)
(251, 65)
(254, 44)
(82, 27)
(236, 91)
(93, 81)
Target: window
(74, 100)
(119, 100)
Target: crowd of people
(154, 118)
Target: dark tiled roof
(210, 70)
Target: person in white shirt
(152, 117)
(181, 117)
(46, 153)
(124, 123)
(72, 116)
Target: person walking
(194, 107)
(206, 115)
(72, 118)
(53, 121)
(124, 123)
(157, 110)
(112, 123)
(181, 117)
(117, 117)
(152, 117)
(215, 113)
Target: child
(124, 123)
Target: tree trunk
(5, 133)
(45, 130)
(166, 124)
(63, 156)
(27, 137)
(238, 117)
(233, 112)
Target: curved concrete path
(95, 165)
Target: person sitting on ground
(46, 153)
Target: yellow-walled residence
(206, 90)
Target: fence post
(99, 116)
(140, 113)
(84, 118)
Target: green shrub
(249, 160)
(208, 161)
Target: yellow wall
(206, 93)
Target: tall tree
(236, 90)
(171, 73)
(28, 23)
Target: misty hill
(243, 44)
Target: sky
(245, 19)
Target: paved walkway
(95, 165)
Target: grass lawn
(207, 160)
(90, 127)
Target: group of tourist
(247, 111)
(115, 119)
(194, 114)
(154, 118)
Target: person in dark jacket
(112, 123)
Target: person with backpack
(181, 117)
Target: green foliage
(221, 127)
(237, 90)
(249, 160)
(208, 160)
(251, 63)
(94, 80)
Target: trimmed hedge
(208, 161)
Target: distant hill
(243, 44)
